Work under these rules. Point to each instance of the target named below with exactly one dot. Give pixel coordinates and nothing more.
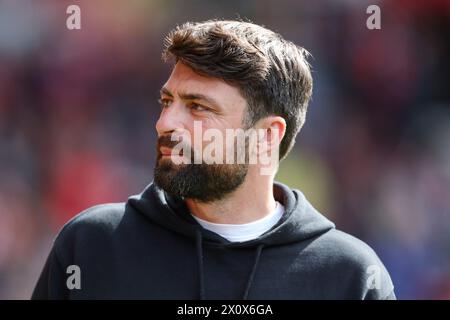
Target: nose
(170, 119)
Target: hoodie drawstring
(201, 273)
(201, 277)
(253, 272)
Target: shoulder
(106, 216)
(92, 224)
(353, 261)
(346, 248)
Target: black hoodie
(151, 248)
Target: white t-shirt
(246, 231)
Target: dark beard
(202, 182)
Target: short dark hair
(271, 73)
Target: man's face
(189, 98)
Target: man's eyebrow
(199, 96)
(192, 96)
(166, 91)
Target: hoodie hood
(299, 222)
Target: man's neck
(251, 201)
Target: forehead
(184, 80)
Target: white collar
(246, 231)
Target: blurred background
(78, 110)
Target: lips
(165, 151)
(168, 151)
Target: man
(210, 229)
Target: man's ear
(271, 132)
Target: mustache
(165, 141)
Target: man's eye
(197, 107)
(164, 102)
